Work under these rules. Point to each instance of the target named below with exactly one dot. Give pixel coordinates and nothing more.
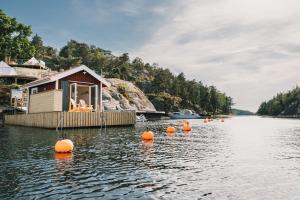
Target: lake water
(242, 158)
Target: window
(34, 90)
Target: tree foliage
(14, 38)
(282, 104)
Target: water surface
(242, 158)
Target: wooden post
(100, 98)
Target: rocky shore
(124, 95)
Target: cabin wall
(48, 101)
(85, 79)
(80, 77)
(44, 87)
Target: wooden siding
(80, 77)
(72, 119)
(46, 101)
(77, 77)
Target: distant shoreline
(282, 116)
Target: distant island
(282, 105)
(236, 111)
(166, 90)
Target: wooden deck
(72, 119)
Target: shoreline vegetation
(167, 91)
(283, 105)
(282, 116)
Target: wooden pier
(72, 119)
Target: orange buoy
(170, 135)
(222, 120)
(148, 135)
(62, 156)
(64, 146)
(171, 129)
(186, 128)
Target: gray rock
(131, 98)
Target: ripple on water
(243, 158)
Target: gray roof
(6, 70)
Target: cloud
(107, 11)
(250, 49)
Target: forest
(283, 104)
(166, 90)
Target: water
(242, 158)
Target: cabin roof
(60, 75)
(33, 62)
(6, 70)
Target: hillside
(166, 90)
(283, 104)
(235, 111)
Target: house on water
(52, 100)
(57, 92)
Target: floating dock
(72, 119)
(152, 115)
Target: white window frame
(34, 90)
(75, 91)
(96, 96)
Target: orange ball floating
(171, 129)
(186, 128)
(64, 146)
(148, 135)
(170, 135)
(63, 156)
(222, 120)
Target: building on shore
(21, 73)
(16, 73)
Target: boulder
(124, 95)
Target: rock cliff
(125, 95)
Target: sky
(249, 49)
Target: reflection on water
(243, 158)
